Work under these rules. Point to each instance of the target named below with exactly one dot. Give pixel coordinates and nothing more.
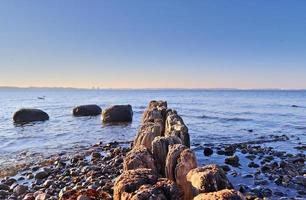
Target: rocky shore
(161, 164)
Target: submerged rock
(225, 194)
(29, 115)
(209, 178)
(118, 113)
(232, 160)
(87, 110)
(208, 151)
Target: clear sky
(153, 44)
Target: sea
(212, 116)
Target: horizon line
(131, 88)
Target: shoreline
(89, 157)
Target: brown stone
(160, 150)
(225, 194)
(147, 133)
(209, 178)
(180, 160)
(175, 125)
(141, 184)
(139, 157)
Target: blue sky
(153, 44)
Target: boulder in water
(87, 110)
(118, 113)
(26, 115)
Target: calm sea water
(213, 116)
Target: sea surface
(212, 116)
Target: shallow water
(212, 116)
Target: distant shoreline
(167, 89)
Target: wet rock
(209, 178)
(232, 160)
(180, 160)
(225, 168)
(29, 115)
(41, 175)
(20, 189)
(118, 113)
(250, 157)
(29, 196)
(4, 187)
(225, 194)
(253, 165)
(300, 180)
(139, 157)
(208, 151)
(95, 155)
(10, 181)
(160, 148)
(87, 110)
(42, 196)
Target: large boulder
(139, 157)
(87, 110)
(29, 115)
(118, 113)
(143, 184)
(180, 160)
(225, 194)
(209, 178)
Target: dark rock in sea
(253, 165)
(294, 106)
(87, 110)
(118, 113)
(232, 160)
(225, 168)
(300, 180)
(208, 151)
(251, 157)
(26, 115)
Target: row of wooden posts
(161, 164)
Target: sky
(153, 44)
